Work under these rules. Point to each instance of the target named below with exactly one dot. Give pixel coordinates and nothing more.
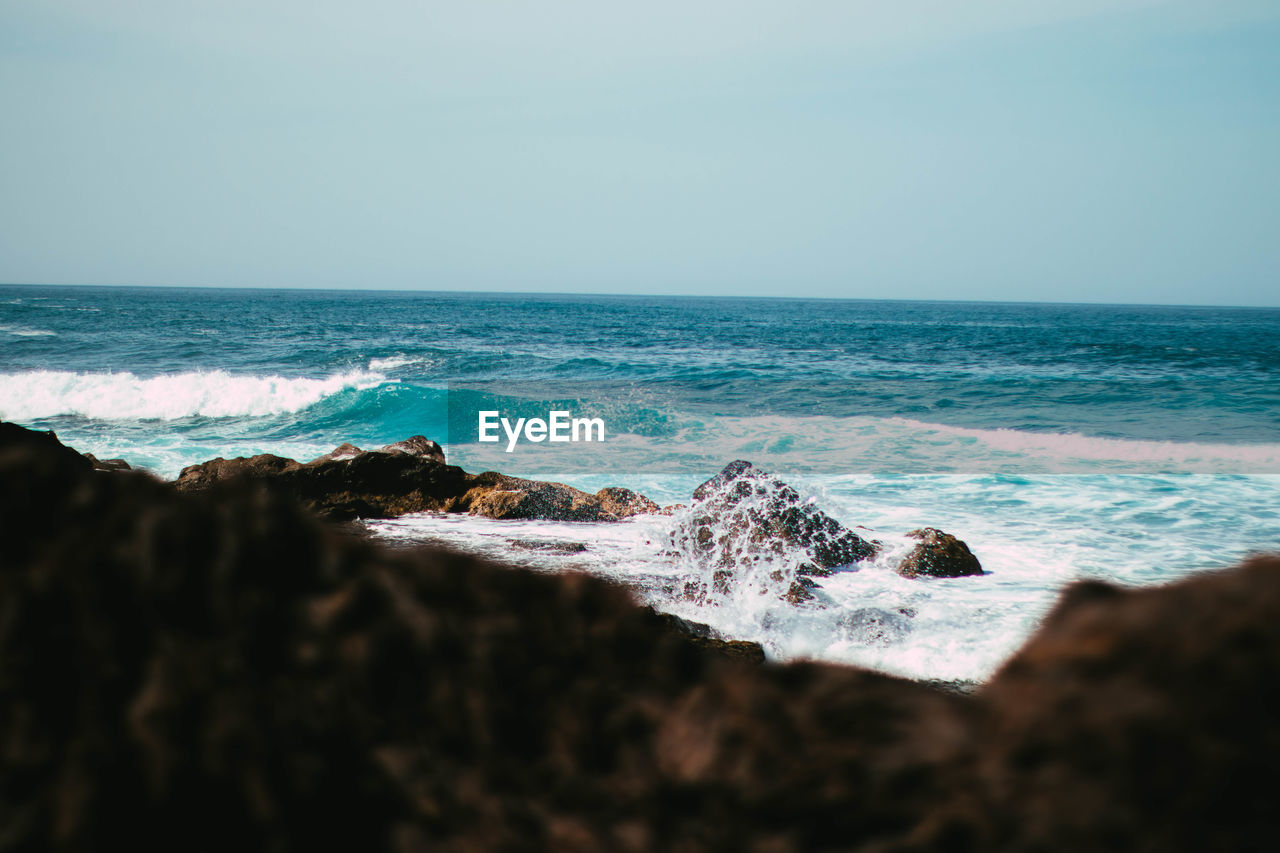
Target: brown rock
(417, 445)
(107, 464)
(624, 503)
(409, 476)
(939, 555)
(495, 495)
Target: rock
(22, 441)
(703, 636)
(939, 555)
(341, 453)
(743, 516)
(550, 546)
(1148, 716)
(409, 476)
(107, 464)
(219, 670)
(417, 446)
(624, 503)
(871, 626)
(495, 495)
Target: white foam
(1033, 535)
(397, 361)
(1068, 447)
(23, 332)
(124, 396)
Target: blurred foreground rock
(220, 670)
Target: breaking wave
(38, 394)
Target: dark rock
(107, 464)
(219, 470)
(219, 670)
(409, 476)
(341, 453)
(939, 555)
(417, 445)
(20, 440)
(743, 516)
(704, 636)
(1145, 718)
(549, 546)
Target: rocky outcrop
(219, 670)
(744, 517)
(939, 555)
(107, 464)
(495, 495)
(412, 476)
(45, 445)
(624, 503)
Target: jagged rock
(742, 516)
(107, 464)
(341, 453)
(495, 495)
(417, 446)
(939, 555)
(624, 503)
(410, 476)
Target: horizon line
(613, 295)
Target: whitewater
(1134, 444)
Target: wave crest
(123, 396)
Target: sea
(1135, 444)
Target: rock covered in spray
(743, 517)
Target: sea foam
(123, 396)
(24, 332)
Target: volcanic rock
(107, 464)
(624, 503)
(939, 555)
(411, 476)
(743, 516)
(417, 445)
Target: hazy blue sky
(1101, 150)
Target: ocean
(1135, 444)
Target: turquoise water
(1128, 442)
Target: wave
(397, 361)
(123, 396)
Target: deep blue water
(1206, 375)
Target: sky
(1091, 150)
